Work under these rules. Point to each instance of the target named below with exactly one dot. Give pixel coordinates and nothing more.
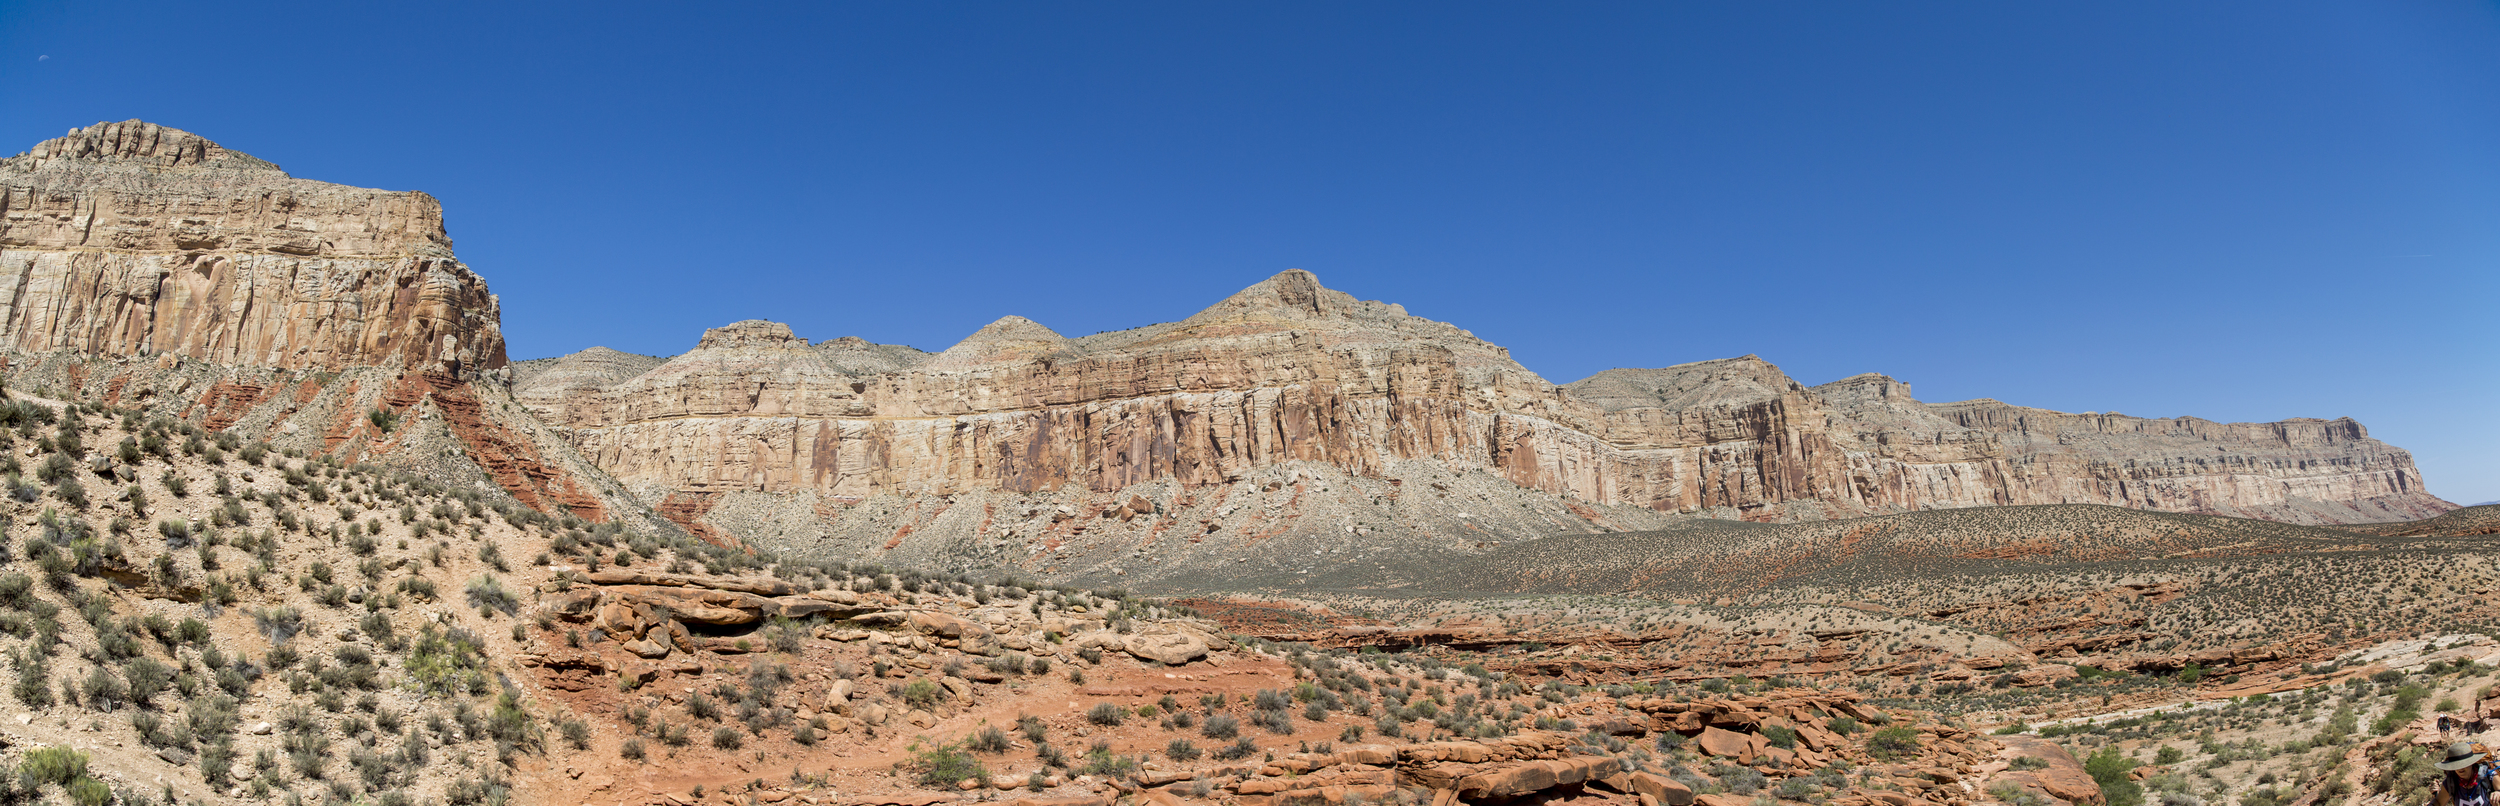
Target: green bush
(1893, 742)
(487, 593)
(922, 694)
(1100, 761)
(57, 766)
(89, 792)
(946, 764)
(2109, 768)
(989, 740)
(442, 662)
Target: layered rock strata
(144, 266)
(1288, 373)
(132, 239)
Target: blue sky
(2239, 211)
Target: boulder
(1171, 649)
(1660, 788)
(944, 626)
(1728, 744)
(574, 605)
(2064, 778)
(1509, 782)
(798, 607)
(838, 698)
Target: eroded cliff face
(135, 239)
(148, 267)
(1288, 374)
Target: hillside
(2481, 519)
(1710, 558)
(198, 620)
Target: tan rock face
(1289, 371)
(131, 238)
(278, 308)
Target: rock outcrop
(134, 239)
(1289, 373)
(143, 266)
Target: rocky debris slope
(923, 690)
(202, 619)
(135, 239)
(1707, 559)
(1290, 374)
(2473, 521)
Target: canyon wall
(135, 239)
(1289, 373)
(149, 267)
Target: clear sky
(2238, 211)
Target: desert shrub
(1100, 761)
(1893, 742)
(946, 764)
(2109, 767)
(2402, 712)
(1105, 714)
(989, 740)
(57, 766)
(444, 661)
(1239, 749)
(1221, 726)
(487, 593)
(1741, 780)
(1181, 750)
(2028, 763)
(727, 738)
(922, 694)
(88, 792)
(576, 733)
(14, 588)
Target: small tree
(2109, 768)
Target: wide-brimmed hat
(2460, 756)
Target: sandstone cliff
(131, 238)
(1314, 410)
(148, 267)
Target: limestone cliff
(1172, 420)
(133, 239)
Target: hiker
(2464, 780)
